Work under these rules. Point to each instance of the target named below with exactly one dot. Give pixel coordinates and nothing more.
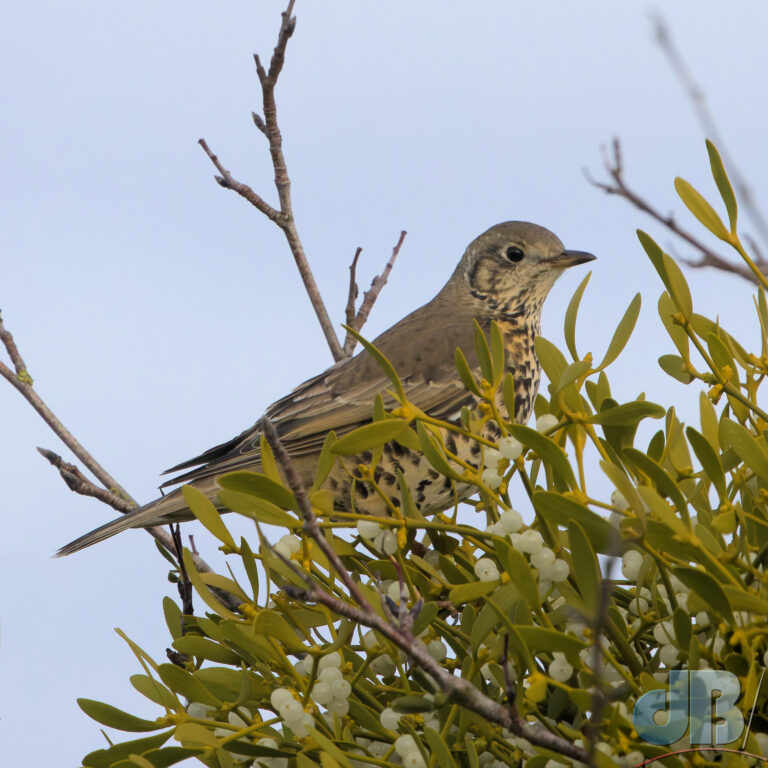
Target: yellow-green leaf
(465, 593)
(709, 460)
(113, 717)
(708, 588)
(369, 436)
(623, 332)
(259, 485)
(723, 184)
(259, 509)
(586, 569)
(746, 447)
(628, 414)
(701, 209)
(465, 373)
(550, 452)
(675, 367)
(272, 624)
(385, 365)
(571, 313)
(483, 353)
(207, 514)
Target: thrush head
(513, 265)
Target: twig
(708, 124)
(310, 521)
(23, 382)
(349, 312)
(612, 162)
(457, 689)
(76, 481)
(369, 297)
(284, 217)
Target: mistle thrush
(504, 275)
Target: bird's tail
(167, 509)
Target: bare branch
(227, 181)
(284, 218)
(349, 312)
(370, 296)
(23, 382)
(707, 122)
(612, 162)
(76, 481)
(457, 689)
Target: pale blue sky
(160, 314)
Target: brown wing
(421, 348)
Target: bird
(504, 276)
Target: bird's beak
(571, 259)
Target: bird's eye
(513, 253)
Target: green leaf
(675, 367)
(746, 447)
(330, 748)
(570, 317)
(550, 452)
(701, 209)
(207, 514)
(624, 486)
(267, 459)
(670, 274)
(182, 682)
(189, 734)
(559, 510)
(325, 461)
(272, 624)
(385, 365)
(709, 460)
(465, 373)
(678, 286)
(194, 645)
(172, 614)
(439, 748)
(104, 758)
(498, 354)
(628, 414)
(483, 353)
(202, 589)
(259, 485)
(155, 691)
(259, 509)
(509, 394)
(571, 373)
(667, 311)
(544, 640)
(723, 184)
(433, 450)
(551, 358)
(586, 569)
(659, 476)
(411, 705)
(113, 717)
(369, 436)
(622, 333)
(708, 589)
(465, 593)
(520, 573)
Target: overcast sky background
(160, 314)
